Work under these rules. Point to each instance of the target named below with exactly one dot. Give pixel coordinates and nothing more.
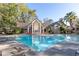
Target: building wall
(36, 27)
(21, 24)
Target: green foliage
(26, 14)
(62, 30)
(18, 30)
(10, 13)
(49, 30)
(70, 17)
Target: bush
(1, 30)
(15, 30)
(49, 30)
(62, 30)
(18, 30)
(9, 30)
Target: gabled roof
(32, 21)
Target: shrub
(18, 30)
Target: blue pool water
(40, 43)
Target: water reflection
(72, 38)
(42, 42)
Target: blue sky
(53, 10)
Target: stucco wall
(36, 27)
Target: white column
(40, 28)
(28, 29)
(43, 29)
(32, 28)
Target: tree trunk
(72, 27)
(71, 24)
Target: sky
(53, 11)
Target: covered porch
(35, 27)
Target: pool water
(41, 43)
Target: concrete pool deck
(63, 49)
(3, 46)
(17, 49)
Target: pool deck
(63, 49)
(17, 49)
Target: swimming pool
(43, 42)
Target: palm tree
(70, 17)
(62, 25)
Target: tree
(48, 30)
(70, 17)
(10, 13)
(62, 25)
(26, 14)
(23, 12)
(31, 15)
